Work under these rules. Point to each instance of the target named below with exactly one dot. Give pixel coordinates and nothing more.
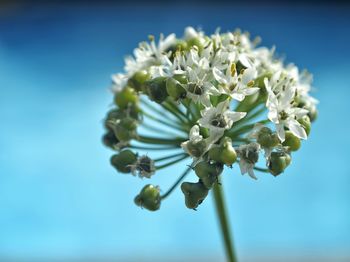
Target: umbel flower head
(214, 100)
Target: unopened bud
(278, 162)
(156, 89)
(312, 113)
(124, 161)
(266, 138)
(149, 198)
(291, 141)
(306, 124)
(138, 80)
(109, 139)
(195, 42)
(194, 193)
(125, 129)
(223, 153)
(174, 87)
(180, 45)
(208, 173)
(126, 97)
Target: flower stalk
(224, 222)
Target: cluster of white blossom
(227, 65)
(227, 78)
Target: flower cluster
(219, 99)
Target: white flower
(238, 46)
(218, 119)
(248, 156)
(168, 68)
(264, 60)
(199, 87)
(191, 33)
(303, 82)
(218, 57)
(196, 146)
(118, 82)
(281, 110)
(148, 54)
(237, 86)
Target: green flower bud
(117, 114)
(194, 193)
(109, 139)
(266, 138)
(208, 173)
(302, 103)
(133, 111)
(259, 81)
(214, 154)
(156, 89)
(175, 89)
(195, 42)
(126, 97)
(312, 113)
(149, 198)
(248, 102)
(228, 153)
(278, 162)
(125, 129)
(138, 80)
(196, 149)
(123, 161)
(180, 45)
(224, 153)
(204, 132)
(306, 124)
(291, 141)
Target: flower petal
(297, 129)
(235, 116)
(251, 173)
(243, 58)
(194, 132)
(238, 96)
(280, 132)
(219, 76)
(250, 91)
(248, 75)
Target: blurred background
(60, 200)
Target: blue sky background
(60, 198)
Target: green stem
(155, 148)
(255, 114)
(224, 224)
(178, 181)
(157, 130)
(163, 122)
(160, 141)
(175, 108)
(171, 163)
(169, 157)
(174, 112)
(240, 130)
(153, 108)
(265, 170)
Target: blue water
(59, 197)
